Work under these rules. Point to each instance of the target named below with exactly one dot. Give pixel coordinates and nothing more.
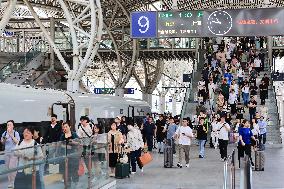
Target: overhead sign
(144, 24)
(112, 91)
(7, 33)
(207, 23)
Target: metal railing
(230, 162)
(245, 175)
(80, 163)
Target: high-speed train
(29, 106)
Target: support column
(281, 113)
(174, 106)
(119, 92)
(73, 85)
(52, 35)
(24, 41)
(269, 48)
(147, 98)
(162, 104)
(18, 43)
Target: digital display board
(208, 23)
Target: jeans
(134, 155)
(262, 136)
(212, 104)
(201, 147)
(149, 140)
(240, 80)
(160, 146)
(246, 98)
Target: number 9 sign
(144, 25)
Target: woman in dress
(115, 139)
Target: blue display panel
(144, 24)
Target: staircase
(273, 128)
(190, 102)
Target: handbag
(123, 159)
(145, 159)
(81, 169)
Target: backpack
(5, 133)
(2, 146)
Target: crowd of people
(227, 90)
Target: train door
(130, 114)
(65, 112)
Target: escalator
(190, 100)
(18, 71)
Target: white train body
(26, 105)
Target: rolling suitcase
(259, 159)
(168, 155)
(122, 170)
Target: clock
(220, 22)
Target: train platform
(205, 173)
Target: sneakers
(179, 165)
(133, 173)
(186, 165)
(142, 170)
(223, 159)
(200, 156)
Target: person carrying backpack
(10, 139)
(28, 151)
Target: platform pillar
(147, 98)
(269, 48)
(174, 106)
(52, 35)
(119, 92)
(72, 85)
(24, 41)
(162, 104)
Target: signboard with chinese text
(207, 23)
(112, 91)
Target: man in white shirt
(224, 129)
(184, 135)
